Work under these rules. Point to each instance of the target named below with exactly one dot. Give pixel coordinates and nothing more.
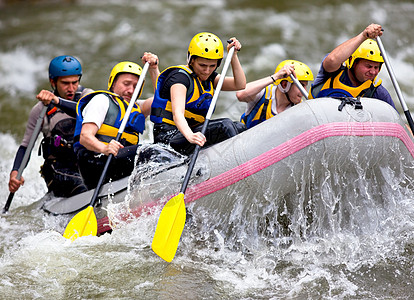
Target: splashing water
(341, 233)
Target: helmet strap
(352, 71)
(287, 97)
(284, 89)
(189, 58)
(114, 81)
(53, 84)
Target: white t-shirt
(95, 111)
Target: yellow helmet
(303, 72)
(206, 45)
(368, 50)
(124, 67)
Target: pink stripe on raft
(278, 153)
(293, 145)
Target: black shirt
(178, 76)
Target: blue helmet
(64, 65)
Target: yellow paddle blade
(169, 228)
(82, 224)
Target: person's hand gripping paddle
(172, 218)
(396, 85)
(84, 223)
(26, 156)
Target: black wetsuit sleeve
(68, 107)
(19, 158)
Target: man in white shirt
(99, 116)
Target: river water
(36, 262)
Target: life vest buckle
(59, 141)
(356, 102)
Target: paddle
(172, 218)
(84, 223)
(300, 86)
(26, 156)
(396, 86)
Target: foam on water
(20, 70)
(34, 187)
(331, 265)
(371, 258)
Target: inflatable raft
(261, 174)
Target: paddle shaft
(300, 86)
(207, 120)
(396, 86)
(120, 131)
(26, 156)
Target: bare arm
(255, 87)
(154, 71)
(145, 106)
(252, 89)
(341, 53)
(90, 142)
(238, 81)
(178, 94)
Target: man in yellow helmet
(273, 94)
(184, 94)
(351, 69)
(99, 116)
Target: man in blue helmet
(59, 170)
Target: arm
(254, 89)
(68, 106)
(90, 142)
(145, 106)
(154, 71)
(341, 53)
(15, 184)
(238, 81)
(178, 96)
(93, 117)
(382, 94)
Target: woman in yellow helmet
(273, 94)
(184, 94)
(351, 69)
